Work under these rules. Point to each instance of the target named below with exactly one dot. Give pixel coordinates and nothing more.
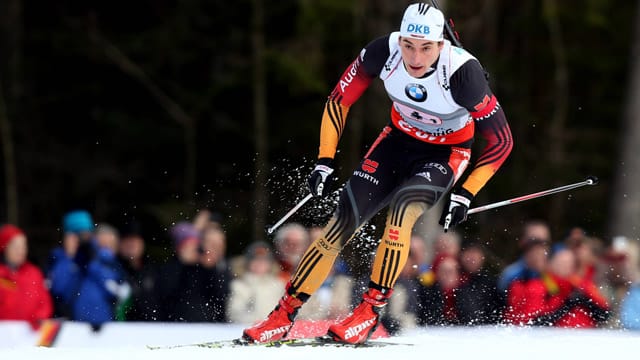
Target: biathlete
(440, 101)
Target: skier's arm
(352, 84)
(470, 89)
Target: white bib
(426, 103)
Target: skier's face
(419, 55)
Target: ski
(329, 342)
(208, 344)
(322, 341)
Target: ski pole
(271, 229)
(590, 180)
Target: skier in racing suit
(440, 99)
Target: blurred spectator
(527, 294)
(446, 244)
(574, 302)
(532, 231)
(215, 275)
(630, 303)
(23, 295)
(178, 287)
(417, 263)
(254, 293)
(80, 222)
(206, 218)
(141, 275)
(68, 263)
(630, 308)
(588, 251)
(188, 285)
(575, 236)
(437, 302)
(401, 312)
(290, 241)
(622, 276)
(104, 288)
(478, 300)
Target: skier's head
(422, 22)
(421, 38)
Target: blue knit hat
(77, 221)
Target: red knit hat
(7, 232)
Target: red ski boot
(363, 321)
(277, 324)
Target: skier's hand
(455, 210)
(320, 179)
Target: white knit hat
(423, 22)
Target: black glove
(320, 179)
(455, 210)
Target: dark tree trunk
(9, 100)
(625, 201)
(558, 118)
(260, 122)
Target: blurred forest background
(150, 110)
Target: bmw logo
(416, 92)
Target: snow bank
(128, 341)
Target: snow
(502, 342)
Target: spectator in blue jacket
(104, 287)
(630, 309)
(68, 263)
(626, 275)
(533, 230)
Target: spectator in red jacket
(558, 296)
(572, 301)
(589, 252)
(23, 295)
(581, 303)
(527, 296)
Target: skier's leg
(313, 269)
(365, 194)
(413, 198)
(318, 260)
(409, 203)
(362, 197)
